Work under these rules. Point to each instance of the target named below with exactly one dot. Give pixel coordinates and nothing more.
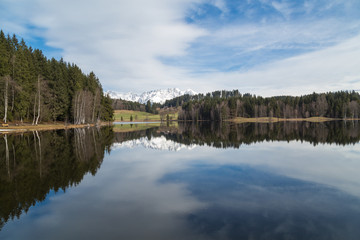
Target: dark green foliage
(107, 113)
(151, 107)
(59, 81)
(119, 104)
(218, 106)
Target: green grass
(139, 116)
(133, 127)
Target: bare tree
(34, 118)
(94, 106)
(354, 109)
(39, 106)
(6, 78)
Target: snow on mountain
(158, 143)
(157, 96)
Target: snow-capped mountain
(158, 143)
(157, 96)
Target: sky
(263, 47)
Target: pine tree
(34, 88)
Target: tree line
(120, 104)
(222, 105)
(34, 88)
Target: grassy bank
(138, 116)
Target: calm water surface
(198, 181)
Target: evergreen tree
(33, 88)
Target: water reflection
(234, 135)
(249, 181)
(38, 162)
(231, 135)
(247, 203)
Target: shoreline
(19, 128)
(27, 127)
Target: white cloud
(123, 42)
(283, 7)
(331, 69)
(220, 4)
(119, 40)
(283, 35)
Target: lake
(292, 180)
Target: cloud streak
(259, 46)
(330, 69)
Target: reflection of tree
(224, 135)
(233, 135)
(126, 136)
(46, 161)
(7, 155)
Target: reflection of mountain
(38, 162)
(159, 143)
(231, 135)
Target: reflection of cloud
(132, 196)
(123, 201)
(244, 201)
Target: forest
(222, 105)
(35, 89)
(120, 104)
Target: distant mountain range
(157, 96)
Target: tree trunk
(38, 116)
(6, 97)
(34, 118)
(93, 113)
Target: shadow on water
(38, 162)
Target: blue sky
(267, 47)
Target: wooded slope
(34, 88)
(222, 105)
